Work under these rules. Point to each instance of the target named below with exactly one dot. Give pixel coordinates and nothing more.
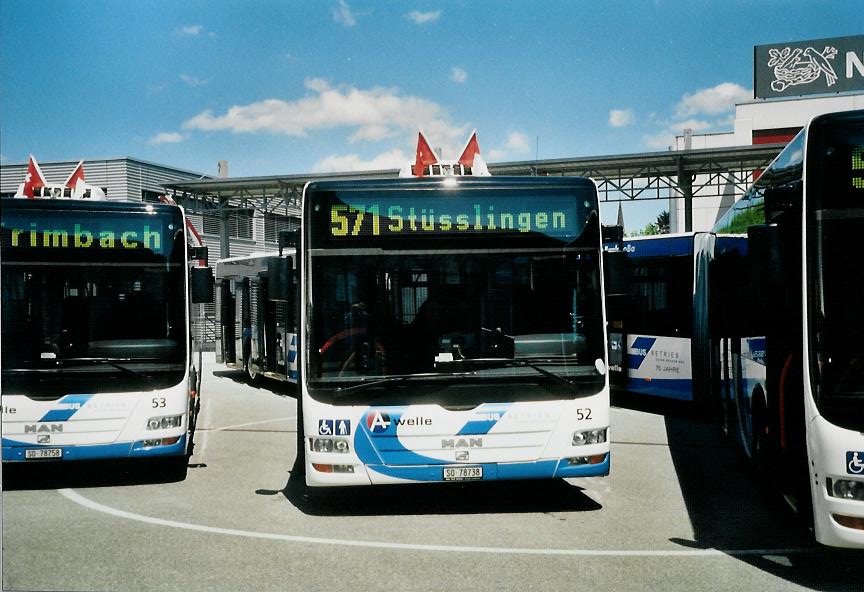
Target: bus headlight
(845, 489)
(330, 445)
(164, 423)
(597, 436)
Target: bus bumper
(837, 484)
(388, 474)
(14, 451)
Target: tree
(659, 226)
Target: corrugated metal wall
(124, 178)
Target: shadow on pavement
(277, 387)
(85, 474)
(498, 497)
(731, 509)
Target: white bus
(96, 345)
(452, 330)
(788, 324)
(759, 321)
(256, 317)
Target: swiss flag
(472, 149)
(425, 155)
(34, 178)
(76, 175)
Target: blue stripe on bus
(659, 247)
(389, 457)
(541, 469)
(640, 344)
(489, 416)
(71, 403)
(670, 388)
(14, 450)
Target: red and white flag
(425, 155)
(34, 178)
(472, 149)
(76, 176)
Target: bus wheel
(253, 374)
(759, 434)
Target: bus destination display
(31, 231)
(405, 216)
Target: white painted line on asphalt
(245, 425)
(90, 504)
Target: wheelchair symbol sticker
(325, 427)
(855, 462)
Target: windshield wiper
(394, 379)
(470, 364)
(113, 362)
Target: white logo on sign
(793, 67)
(343, 428)
(378, 422)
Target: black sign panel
(809, 67)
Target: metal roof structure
(626, 177)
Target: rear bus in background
(256, 314)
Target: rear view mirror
(280, 278)
(201, 284)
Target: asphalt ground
(681, 510)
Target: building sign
(809, 67)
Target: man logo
(377, 422)
(42, 428)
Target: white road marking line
(244, 425)
(90, 504)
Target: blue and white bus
(96, 347)
(761, 317)
(658, 304)
(453, 330)
(789, 324)
(256, 318)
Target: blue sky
(295, 87)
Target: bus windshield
(837, 277)
(80, 316)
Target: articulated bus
(256, 317)
(658, 301)
(96, 345)
(772, 301)
(790, 327)
(453, 330)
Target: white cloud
(190, 30)
(696, 125)
(421, 18)
(621, 117)
(659, 141)
(166, 138)
(193, 81)
(713, 101)
(665, 138)
(371, 115)
(517, 143)
(458, 75)
(343, 14)
(392, 159)
(706, 110)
